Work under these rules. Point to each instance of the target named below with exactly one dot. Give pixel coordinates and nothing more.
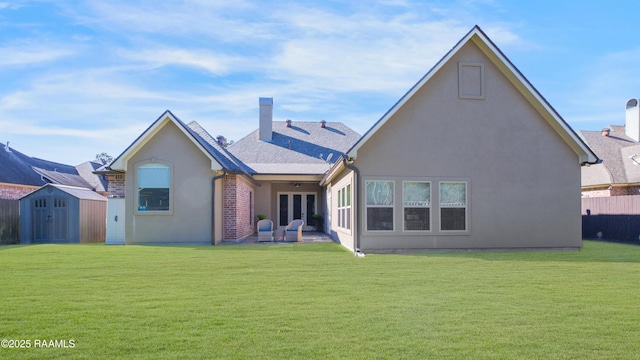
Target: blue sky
(85, 77)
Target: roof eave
(336, 169)
(121, 162)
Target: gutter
(213, 205)
(347, 162)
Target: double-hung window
(344, 207)
(154, 184)
(416, 200)
(453, 206)
(380, 203)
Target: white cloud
(317, 63)
(216, 64)
(26, 54)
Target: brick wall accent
(15, 192)
(237, 208)
(115, 186)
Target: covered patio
(307, 237)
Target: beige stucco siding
(189, 220)
(341, 234)
(523, 179)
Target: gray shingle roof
(87, 171)
(77, 192)
(63, 178)
(300, 149)
(18, 168)
(227, 160)
(208, 143)
(615, 151)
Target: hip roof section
(303, 148)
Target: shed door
(50, 220)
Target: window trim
(392, 206)
(466, 207)
(344, 211)
(137, 193)
(430, 207)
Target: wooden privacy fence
(611, 218)
(9, 221)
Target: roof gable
(477, 36)
(120, 163)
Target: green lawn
(318, 301)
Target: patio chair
(265, 230)
(293, 231)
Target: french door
(297, 205)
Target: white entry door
(115, 221)
(297, 205)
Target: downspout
(213, 205)
(356, 233)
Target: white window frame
(138, 211)
(345, 199)
(428, 206)
(392, 206)
(465, 206)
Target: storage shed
(62, 214)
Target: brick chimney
(632, 120)
(266, 119)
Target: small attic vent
(632, 103)
(6, 148)
(288, 123)
(471, 80)
(323, 124)
(606, 132)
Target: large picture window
(380, 203)
(154, 183)
(416, 200)
(453, 206)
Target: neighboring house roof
(616, 152)
(302, 149)
(18, 168)
(219, 156)
(63, 178)
(478, 37)
(77, 192)
(87, 171)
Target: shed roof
(77, 192)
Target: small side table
(278, 235)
